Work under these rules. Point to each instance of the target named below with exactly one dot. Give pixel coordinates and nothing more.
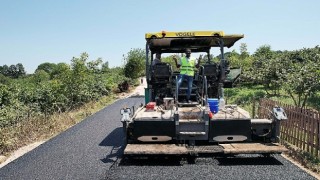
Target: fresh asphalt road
(92, 150)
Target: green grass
(243, 96)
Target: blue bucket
(214, 105)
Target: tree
(76, 84)
(243, 51)
(233, 59)
(135, 63)
(20, 70)
(169, 60)
(5, 70)
(40, 76)
(105, 67)
(245, 62)
(60, 71)
(94, 65)
(13, 71)
(4, 79)
(301, 76)
(47, 67)
(265, 69)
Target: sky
(36, 31)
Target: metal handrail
(202, 93)
(206, 90)
(177, 93)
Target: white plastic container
(222, 103)
(168, 103)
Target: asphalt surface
(92, 150)
(81, 152)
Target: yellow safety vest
(187, 68)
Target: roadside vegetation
(38, 106)
(292, 77)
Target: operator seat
(210, 70)
(161, 82)
(162, 72)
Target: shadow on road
(180, 161)
(136, 96)
(235, 161)
(150, 161)
(114, 140)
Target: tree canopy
(134, 63)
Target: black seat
(210, 70)
(162, 71)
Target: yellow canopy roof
(165, 34)
(197, 41)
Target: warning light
(163, 33)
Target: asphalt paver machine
(166, 125)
